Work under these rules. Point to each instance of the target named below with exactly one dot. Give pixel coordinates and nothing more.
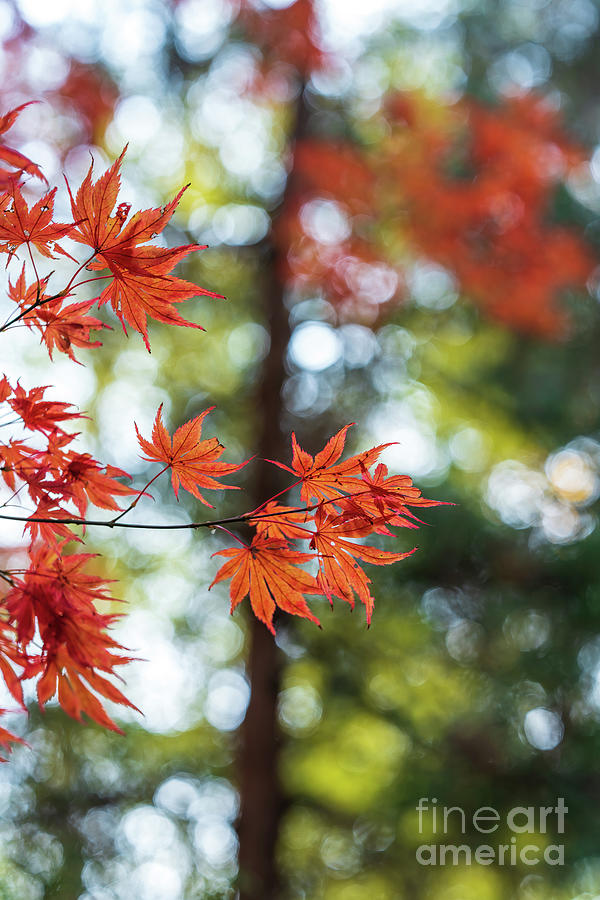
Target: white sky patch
(122, 403)
(573, 476)
(526, 498)
(201, 26)
(432, 286)
(46, 69)
(137, 119)
(46, 157)
(147, 831)
(40, 14)
(278, 4)
(416, 451)
(228, 696)
(516, 493)
(215, 840)
(7, 21)
(315, 346)
(164, 684)
(157, 880)
(239, 224)
(469, 449)
(325, 221)
(346, 23)
(134, 34)
(543, 728)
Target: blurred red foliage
(478, 199)
(91, 95)
(289, 35)
(467, 187)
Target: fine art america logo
(514, 849)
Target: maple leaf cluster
(51, 629)
(343, 502)
(55, 618)
(54, 597)
(465, 186)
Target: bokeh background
(402, 206)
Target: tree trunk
(260, 790)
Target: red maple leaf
(10, 656)
(490, 226)
(15, 159)
(62, 672)
(290, 33)
(39, 414)
(7, 738)
(21, 225)
(53, 533)
(193, 461)
(61, 327)
(83, 480)
(141, 285)
(15, 462)
(268, 572)
(57, 597)
(5, 388)
(65, 327)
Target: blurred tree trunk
(261, 796)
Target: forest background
(402, 206)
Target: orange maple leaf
(142, 285)
(322, 476)
(192, 461)
(284, 522)
(65, 673)
(67, 327)
(267, 571)
(385, 499)
(339, 573)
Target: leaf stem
(138, 498)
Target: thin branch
(25, 312)
(112, 523)
(64, 293)
(139, 497)
(210, 523)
